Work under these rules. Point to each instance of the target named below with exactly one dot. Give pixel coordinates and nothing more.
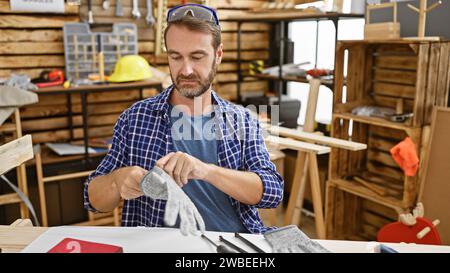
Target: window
(304, 35)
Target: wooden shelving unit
(367, 189)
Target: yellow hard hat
(131, 68)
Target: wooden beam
(35, 21)
(287, 143)
(315, 138)
(15, 153)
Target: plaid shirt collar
(162, 104)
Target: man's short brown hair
(195, 24)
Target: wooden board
(15, 153)
(435, 190)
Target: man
(227, 176)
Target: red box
(70, 245)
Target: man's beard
(204, 85)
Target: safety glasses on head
(195, 10)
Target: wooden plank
(395, 76)
(146, 46)
(339, 220)
(33, 73)
(232, 66)
(249, 87)
(245, 37)
(443, 79)
(330, 204)
(368, 73)
(395, 49)
(381, 157)
(395, 135)
(24, 35)
(367, 194)
(36, 21)
(391, 102)
(378, 209)
(37, 111)
(344, 154)
(246, 55)
(284, 143)
(64, 135)
(16, 48)
(9, 198)
(363, 138)
(376, 31)
(396, 62)
(421, 83)
(334, 154)
(63, 122)
(394, 173)
(374, 121)
(31, 61)
(247, 27)
(431, 86)
(15, 153)
(353, 73)
(339, 73)
(246, 45)
(314, 138)
(394, 90)
(380, 143)
(374, 220)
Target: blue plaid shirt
(142, 135)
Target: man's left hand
(182, 166)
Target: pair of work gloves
(157, 184)
(290, 239)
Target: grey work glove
(292, 239)
(21, 81)
(157, 184)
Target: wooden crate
(410, 74)
(374, 165)
(352, 217)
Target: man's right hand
(127, 181)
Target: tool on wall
(135, 11)
(90, 14)
(149, 19)
(101, 59)
(94, 52)
(119, 9)
(160, 19)
(105, 4)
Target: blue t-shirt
(195, 136)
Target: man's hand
(181, 167)
(127, 181)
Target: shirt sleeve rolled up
(114, 159)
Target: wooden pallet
(408, 75)
(379, 177)
(352, 217)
